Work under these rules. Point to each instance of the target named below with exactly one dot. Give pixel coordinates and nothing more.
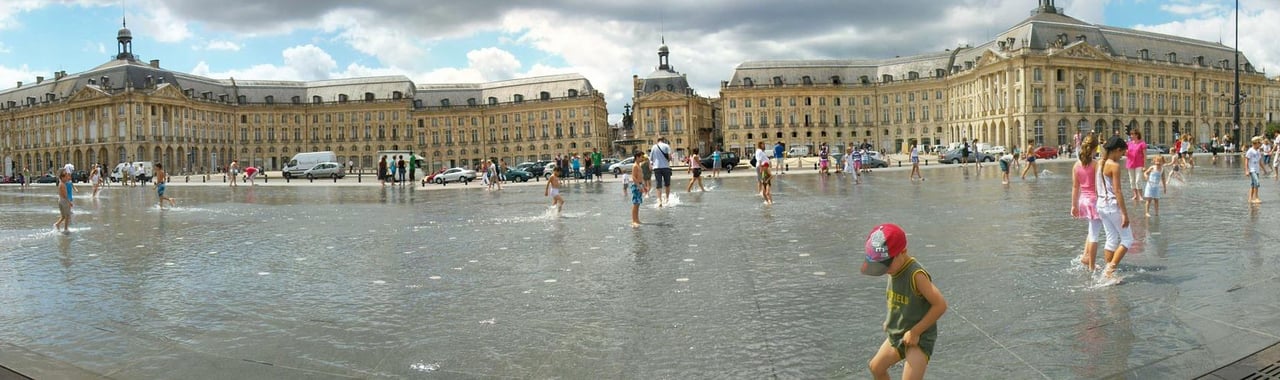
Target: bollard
(899, 163)
(224, 178)
(264, 177)
(335, 178)
(188, 179)
(815, 166)
(358, 173)
(311, 179)
(786, 167)
(287, 179)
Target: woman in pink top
(1135, 161)
(1084, 198)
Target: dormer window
(493, 101)
(241, 99)
(807, 80)
(397, 95)
(777, 81)
(886, 78)
(913, 75)
(573, 93)
(368, 97)
(1199, 60)
(939, 73)
(544, 95)
(471, 102)
(864, 80)
(835, 80)
(270, 99)
(444, 102)
(342, 98)
(518, 98)
(296, 99)
(1144, 53)
(316, 99)
(1173, 57)
(747, 82)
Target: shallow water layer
(373, 282)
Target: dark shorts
(160, 189)
(697, 172)
(662, 176)
(926, 344)
(1004, 166)
(1031, 159)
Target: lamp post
(1235, 103)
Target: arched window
(807, 80)
(297, 100)
(573, 93)
(747, 82)
(342, 98)
(368, 97)
(270, 99)
(471, 102)
(444, 102)
(517, 98)
(544, 95)
(242, 99)
(317, 99)
(493, 101)
(777, 81)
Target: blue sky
(606, 41)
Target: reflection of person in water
(1105, 336)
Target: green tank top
(906, 306)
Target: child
(637, 192)
(1157, 184)
(1031, 160)
(695, 167)
(553, 190)
(915, 163)
(915, 304)
(853, 164)
(1006, 161)
(1251, 170)
(65, 189)
(824, 160)
(162, 178)
(1111, 208)
(766, 183)
(1084, 198)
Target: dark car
(80, 176)
(533, 168)
(47, 178)
(728, 160)
(517, 175)
(872, 162)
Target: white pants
(1095, 228)
(1116, 235)
(1135, 179)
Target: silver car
(325, 170)
(623, 166)
(456, 175)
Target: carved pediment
(988, 57)
(168, 91)
(662, 95)
(1081, 50)
(88, 93)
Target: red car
(1046, 152)
(432, 177)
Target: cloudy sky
(433, 41)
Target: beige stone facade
(1043, 80)
(125, 110)
(666, 106)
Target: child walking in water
(161, 179)
(65, 190)
(553, 190)
(1157, 184)
(915, 163)
(1084, 198)
(915, 304)
(1111, 208)
(637, 190)
(695, 168)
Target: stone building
(1043, 79)
(127, 110)
(665, 105)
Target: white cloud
(4, 49)
(159, 23)
(493, 63)
(1257, 25)
(12, 8)
(1189, 9)
(310, 61)
(365, 33)
(10, 76)
(222, 45)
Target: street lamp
(1235, 116)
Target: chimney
(155, 63)
(19, 83)
(39, 79)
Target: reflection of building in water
(128, 110)
(1043, 79)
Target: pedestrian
(856, 156)
(766, 184)
(402, 169)
(1006, 162)
(660, 155)
(1031, 160)
(1111, 208)
(95, 177)
(824, 160)
(715, 163)
(232, 172)
(382, 171)
(964, 153)
(1214, 146)
(1135, 161)
(1157, 184)
(695, 169)
(852, 163)
(65, 198)
(977, 161)
(162, 178)
(1275, 162)
(637, 194)
(391, 170)
(762, 163)
(915, 162)
(597, 164)
(576, 163)
(1253, 166)
(553, 190)
(250, 173)
(26, 177)
(779, 150)
(499, 172)
(647, 169)
(914, 304)
(1084, 199)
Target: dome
(663, 49)
(124, 33)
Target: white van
(303, 161)
(418, 172)
(148, 170)
(798, 151)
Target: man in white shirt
(1253, 163)
(660, 158)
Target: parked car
(953, 157)
(13, 179)
(1164, 149)
(1153, 150)
(431, 178)
(1046, 152)
(517, 175)
(872, 162)
(997, 151)
(80, 176)
(455, 175)
(325, 170)
(623, 166)
(606, 163)
(47, 178)
(533, 168)
(728, 160)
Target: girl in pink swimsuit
(1084, 199)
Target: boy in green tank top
(914, 304)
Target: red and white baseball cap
(884, 243)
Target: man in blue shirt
(778, 150)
